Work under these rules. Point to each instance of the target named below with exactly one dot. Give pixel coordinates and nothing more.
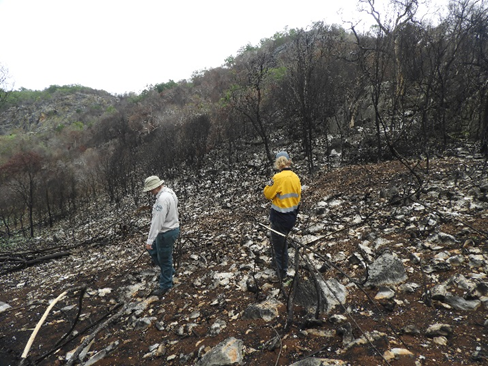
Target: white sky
(124, 45)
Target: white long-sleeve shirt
(164, 214)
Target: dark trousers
(280, 248)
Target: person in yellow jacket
(284, 191)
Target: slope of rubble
(384, 271)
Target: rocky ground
(382, 273)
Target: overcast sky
(123, 46)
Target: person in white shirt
(165, 229)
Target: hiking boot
(159, 292)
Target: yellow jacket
(284, 191)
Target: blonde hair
(281, 163)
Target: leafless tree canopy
(405, 89)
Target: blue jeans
(162, 255)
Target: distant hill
(54, 107)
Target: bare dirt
(188, 311)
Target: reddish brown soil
(297, 339)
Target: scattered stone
(387, 269)
(437, 330)
(345, 330)
(409, 287)
(104, 291)
(397, 353)
(333, 293)
(267, 310)
(411, 329)
(337, 318)
(228, 352)
(439, 292)
(367, 338)
(217, 327)
(442, 341)
(385, 293)
(237, 259)
(4, 307)
(460, 303)
(142, 323)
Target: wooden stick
(38, 326)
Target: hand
(149, 246)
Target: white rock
(4, 307)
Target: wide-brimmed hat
(152, 182)
(283, 153)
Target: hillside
(45, 111)
(388, 131)
(405, 285)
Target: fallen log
(47, 258)
(32, 262)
